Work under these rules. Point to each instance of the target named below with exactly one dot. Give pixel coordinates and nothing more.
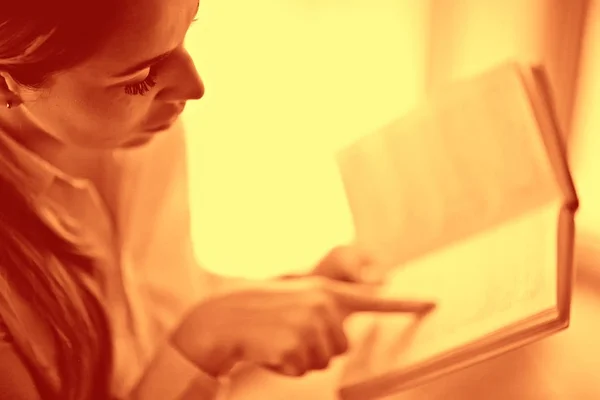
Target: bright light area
(585, 150)
(287, 83)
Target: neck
(74, 161)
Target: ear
(4, 90)
(9, 89)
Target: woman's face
(104, 103)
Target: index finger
(355, 297)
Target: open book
(468, 201)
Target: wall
(287, 82)
(585, 143)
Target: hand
(349, 264)
(292, 326)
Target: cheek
(104, 120)
(77, 110)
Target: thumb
(371, 275)
(370, 269)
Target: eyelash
(141, 88)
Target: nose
(186, 83)
(197, 88)
(191, 84)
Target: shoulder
(25, 349)
(16, 381)
(13, 310)
(22, 327)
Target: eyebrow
(154, 60)
(144, 64)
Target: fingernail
(427, 308)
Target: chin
(144, 137)
(137, 142)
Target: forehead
(144, 29)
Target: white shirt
(144, 248)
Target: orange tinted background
(288, 82)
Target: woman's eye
(143, 87)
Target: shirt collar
(39, 174)
(61, 200)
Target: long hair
(39, 39)
(44, 269)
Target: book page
(468, 159)
(497, 278)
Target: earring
(9, 104)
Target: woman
(100, 296)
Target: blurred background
(290, 81)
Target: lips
(166, 117)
